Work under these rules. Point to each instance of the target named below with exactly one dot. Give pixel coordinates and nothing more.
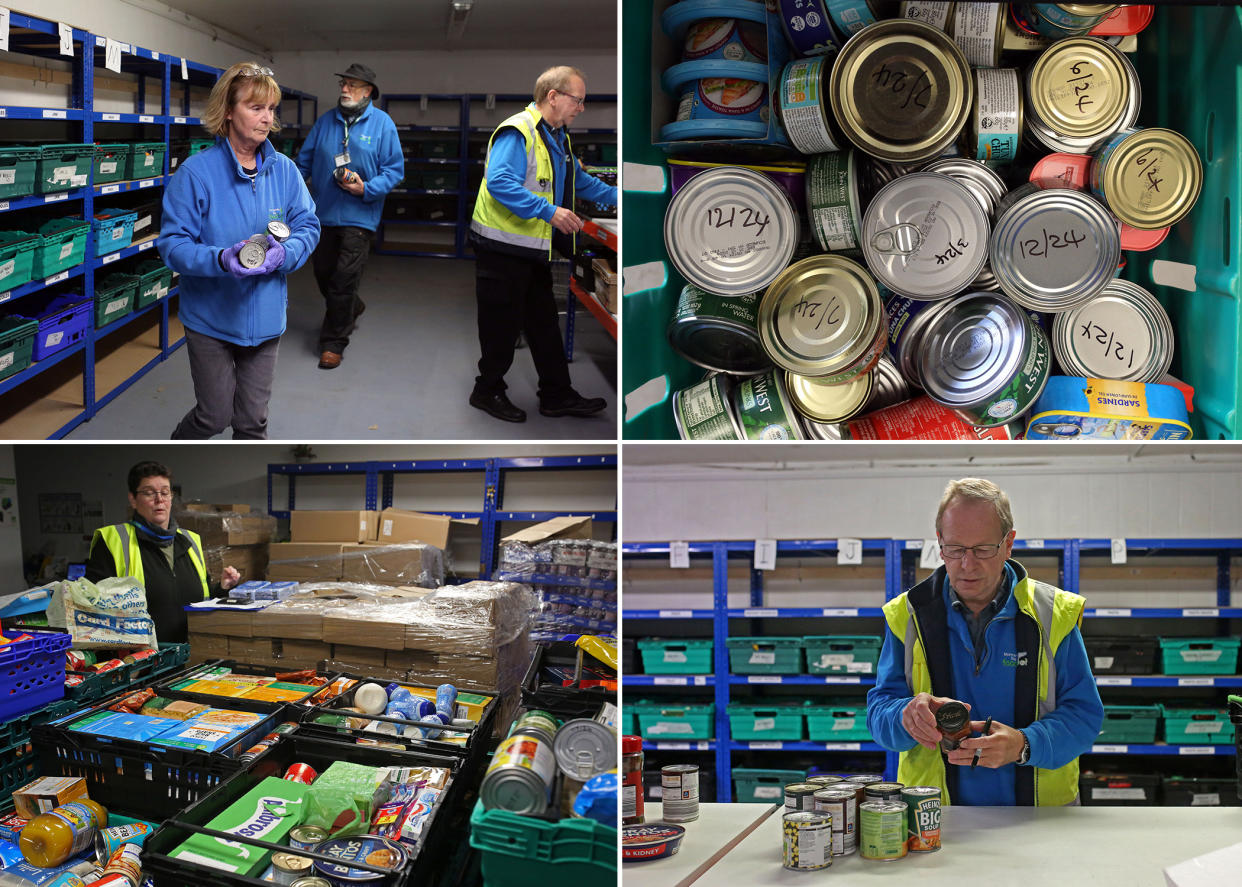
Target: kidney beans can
(807, 840)
(804, 107)
(922, 818)
(679, 784)
(735, 40)
(882, 830)
(841, 803)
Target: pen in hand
(987, 725)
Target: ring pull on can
(899, 240)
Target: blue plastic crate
(114, 230)
(62, 322)
(32, 672)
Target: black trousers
(338, 261)
(514, 295)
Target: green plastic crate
(1217, 656)
(114, 298)
(17, 249)
(675, 721)
(435, 147)
(764, 655)
(17, 171)
(1129, 723)
(1196, 726)
(826, 722)
(110, 163)
(63, 167)
(146, 159)
(17, 335)
(759, 786)
(63, 246)
(154, 282)
(676, 655)
(197, 145)
(133, 675)
(748, 722)
(439, 179)
(518, 851)
(841, 654)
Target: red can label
(302, 773)
(108, 666)
(919, 419)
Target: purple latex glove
(272, 261)
(230, 263)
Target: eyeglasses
(581, 102)
(957, 552)
(249, 71)
(352, 84)
(155, 494)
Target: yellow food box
(469, 705)
(215, 688)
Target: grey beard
(354, 107)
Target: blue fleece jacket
(506, 171)
(374, 154)
(1056, 738)
(211, 205)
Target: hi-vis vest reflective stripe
(1056, 613)
(492, 220)
(122, 543)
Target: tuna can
(804, 105)
(763, 409)
(1053, 248)
(373, 850)
(901, 91)
(925, 236)
(807, 29)
(584, 747)
(253, 251)
(730, 231)
(820, 402)
(1123, 333)
(929, 12)
(883, 791)
(1079, 93)
(882, 830)
(789, 176)
(919, 419)
(851, 16)
(288, 867)
(841, 803)
(306, 837)
(718, 332)
(731, 98)
(1059, 20)
(703, 411)
(807, 840)
(888, 385)
(800, 796)
(679, 786)
(922, 818)
(985, 359)
(538, 723)
(832, 200)
(825, 781)
(996, 121)
(311, 881)
(824, 317)
(983, 183)
(279, 230)
(1149, 178)
(979, 29)
(734, 40)
(519, 778)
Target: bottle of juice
(51, 838)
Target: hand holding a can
(565, 221)
(919, 718)
(230, 260)
(351, 182)
(999, 745)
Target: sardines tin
(850, 16)
(979, 29)
(996, 122)
(704, 411)
(807, 27)
(763, 408)
(804, 107)
(729, 97)
(379, 852)
(1150, 178)
(1079, 92)
(1123, 333)
(929, 12)
(882, 830)
(725, 38)
(832, 200)
(1077, 408)
(922, 818)
(807, 840)
(1059, 20)
(800, 795)
(718, 332)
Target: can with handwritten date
(1149, 178)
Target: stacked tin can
(923, 280)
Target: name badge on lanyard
(342, 158)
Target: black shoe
(499, 406)
(359, 307)
(574, 404)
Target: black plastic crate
(1110, 654)
(1119, 789)
(629, 657)
(199, 672)
(564, 702)
(426, 857)
(1185, 791)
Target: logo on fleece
(1014, 660)
(276, 214)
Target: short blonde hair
(243, 80)
(976, 489)
(557, 78)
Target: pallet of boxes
(232, 535)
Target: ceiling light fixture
(459, 12)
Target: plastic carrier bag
(109, 613)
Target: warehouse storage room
(934, 656)
(321, 664)
(221, 220)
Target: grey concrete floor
(407, 372)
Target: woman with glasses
(982, 632)
(233, 291)
(152, 549)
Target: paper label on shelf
(1113, 682)
(679, 555)
(155, 55)
(112, 55)
(1118, 794)
(146, 245)
(1118, 551)
(107, 166)
(765, 554)
(8, 176)
(65, 250)
(700, 680)
(7, 360)
(1103, 662)
(109, 189)
(765, 745)
(669, 682)
(1209, 611)
(66, 38)
(4, 297)
(55, 198)
(1110, 749)
(843, 723)
(111, 116)
(757, 657)
(178, 120)
(676, 614)
(4, 29)
(763, 679)
(1197, 750)
(109, 258)
(1034, 543)
(674, 656)
(6, 268)
(670, 727)
(54, 114)
(57, 278)
(673, 746)
(1201, 655)
(185, 72)
(839, 611)
(757, 613)
(146, 118)
(849, 551)
(840, 679)
(764, 724)
(54, 338)
(138, 226)
(1205, 726)
(4, 205)
(146, 183)
(1205, 799)
(842, 746)
(929, 556)
(768, 791)
(1114, 611)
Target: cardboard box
(399, 525)
(557, 528)
(605, 285)
(219, 529)
(233, 623)
(305, 561)
(208, 646)
(47, 792)
(205, 508)
(332, 526)
(357, 631)
(249, 560)
(368, 657)
(361, 668)
(300, 653)
(380, 563)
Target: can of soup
(882, 830)
(922, 818)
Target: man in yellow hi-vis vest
(167, 560)
(981, 631)
(524, 210)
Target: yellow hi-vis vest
(122, 542)
(492, 220)
(1056, 613)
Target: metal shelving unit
(378, 480)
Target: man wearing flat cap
(351, 159)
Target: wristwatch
(1025, 757)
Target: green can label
(828, 201)
(763, 411)
(703, 412)
(882, 827)
(1017, 396)
(695, 302)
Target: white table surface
(716, 827)
(995, 846)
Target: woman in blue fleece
(981, 631)
(234, 315)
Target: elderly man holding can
(233, 290)
(352, 159)
(981, 635)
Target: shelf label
(109, 258)
(929, 556)
(679, 555)
(1113, 682)
(146, 244)
(4, 297)
(700, 680)
(1034, 543)
(4, 29)
(1208, 611)
(4, 205)
(57, 278)
(758, 613)
(914, 544)
(53, 114)
(109, 189)
(842, 746)
(765, 554)
(765, 745)
(1196, 682)
(669, 682)
(56, 198)
(155, 55)
(4, 112)
(763, 679)
(849, 551)
(1197, 750)
(841, 679)
(178, 120)
(146, 118)
(111, 117)
(1110, 749)
(66, 38)
(673, 746)
(1112, 611)
(840, 611)
(1118, 551)
(676, 614)
(146, 183)
(185, 73)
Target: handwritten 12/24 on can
(922, 818)
(679, 787)
(807, 840)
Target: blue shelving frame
(28, 36)
(900, 558)
(379, 477)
